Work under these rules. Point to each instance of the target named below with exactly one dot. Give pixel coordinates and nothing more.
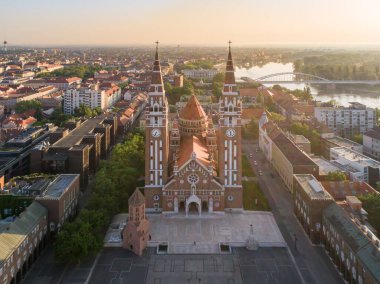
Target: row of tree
(115, 181)
(81, 71)
(200, 64)
(339, 67)
(304, 94)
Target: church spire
(156, 74)
(230, 74)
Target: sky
(189, 22)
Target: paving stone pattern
(266, 265)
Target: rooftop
(343, 142)
(340, 189)
(325, 166)
(356, 157)
(374, 133)
(190, 145)
(359, 242)
(294, 155)
(312, 187)
(59, 186)
(75, 136)
(13, 234)
(193, 110)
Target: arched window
(156, 107)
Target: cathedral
(195, 166)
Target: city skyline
(117, 22)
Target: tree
(358, 138)
(24, 106)
(217, 85)
(371, 203)
(76, 241)
(86, 111)
(59, 118)
(336, 176)
(251, 131)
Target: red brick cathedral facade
(194, 166)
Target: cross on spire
(157, 42)
(229, 43)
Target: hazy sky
(211, 22)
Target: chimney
(354, 203)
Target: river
(342, 97)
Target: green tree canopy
(24, 106)
(336, 176)
(371, 203)
(115, 181)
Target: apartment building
(286, 158)
(61, 198)
(92, 96)
(371, 143)
(360, 167)
(310, 199)
(347, 121)
(353, 248)
(207, 74)
(22, 240)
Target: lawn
(247, 169)
(251, 192)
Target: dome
(192, 118)
(193, 110)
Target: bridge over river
(296, 77)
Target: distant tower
(136, 232)
(5, 45)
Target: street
(312, 261)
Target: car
(260, 173)
(255, 163)
(251, 155)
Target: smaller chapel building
(136, 232)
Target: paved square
(202, 235)
(266, 265)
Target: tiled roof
(190, 144)
(341, 189)
(249, 113)
(137, 198)
(250, 92)
(13, 234)
(293, 154)
(193, 110)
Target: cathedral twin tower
(194, 165)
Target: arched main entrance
(194, 201)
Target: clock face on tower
(156, 132)
(230, 132)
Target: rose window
(193, 178)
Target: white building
(92, 96)
(361, 167)
(200, 73)
(347, 121)
(371, 143)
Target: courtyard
(195, 234)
